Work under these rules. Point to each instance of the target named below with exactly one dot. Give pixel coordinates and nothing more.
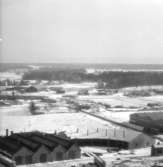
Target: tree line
(113, 79)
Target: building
(37, 147)
(83, 92)
(31, 89)
(6, 160)
(121, 138)
(151, 121)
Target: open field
(69, 122)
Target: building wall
(73, 152)
(41, 155)
(22, 156)
(1, 165)
(156, 151)
(59, 153)
(141, 141)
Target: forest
(113, 79)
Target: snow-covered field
(72, 123)
(119, 99)
(17, 117)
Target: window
(19, 160)
(43, 157)
(28, 159)
(59, 156)
(159, 151)
(72, 154)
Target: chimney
(7, 132)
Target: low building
(36, 147)
(31, 89)
(83, 92)
(151, 121)
(17, 151)
(121, 138)
(157, 150)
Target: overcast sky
(83, 31)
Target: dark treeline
(4, 67)
(113, 79)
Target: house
(31, 89)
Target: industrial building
(6, 160)
(151, 121)
(121, 138)
(37, 147)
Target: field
(59, 116)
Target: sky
(82, 31)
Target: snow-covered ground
(72, 123)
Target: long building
(151, 121)
(37, 147)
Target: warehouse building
(121, 138)
(151, 121)
(36, 147)
(6, 160)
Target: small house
(83, 92)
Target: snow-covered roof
(116, 134)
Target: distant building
(36, 147)
(83, 92)
(151, 121)
(102, 92)
(31, 89)
(58, 90)
(157, 147)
